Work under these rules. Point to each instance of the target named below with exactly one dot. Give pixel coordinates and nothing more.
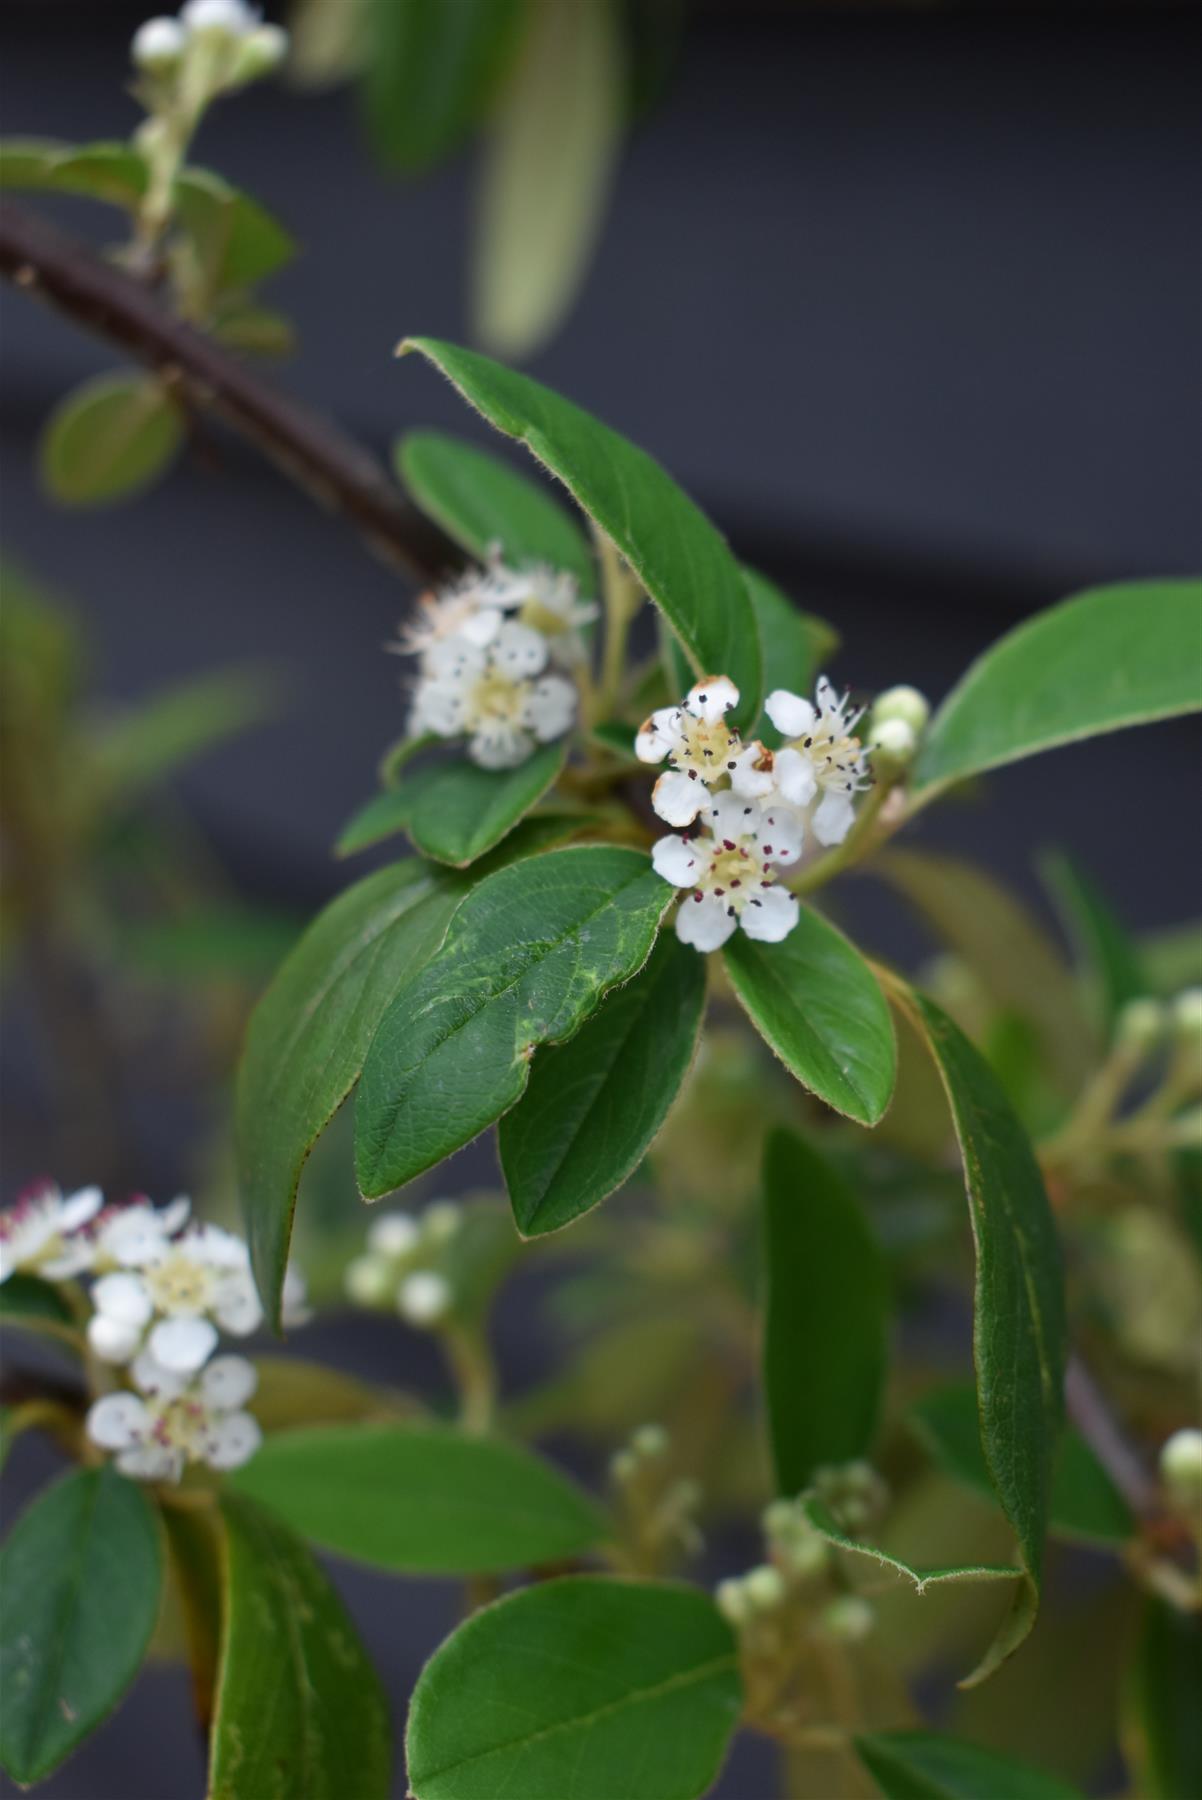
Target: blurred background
(907, 297)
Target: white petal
(152, 1462)
(123, 1298)
(174, 1215)
(678, 797)
(732, 817)
(519, 650)
(182, 1344)
(657, 735)
(228, 1382)
(712, 698)
(133, 1237)
(679, 861)
(771, 915)
(77, 1255)
(216, 1247)
(834, 816)
(795, 778)
(780, 833)
(152, 1378)
(234, 1441)
(294, 1299)
(704, 923)
(78, 1208)
(423, 1297)
(500, 747)
(118, 1421)
(792, 716)
(751, 771)
(480, 628)
(438, 707)
(455, 661)
(551, 707)
(237, 1308)
(395, 1234)
(112, 1341)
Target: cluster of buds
(162, 1290)
(498, 653)
(743, 812)
(210, 47)
(779, 1603)
(854, 1495)
(657, 1509)
(404, 1265)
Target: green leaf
(602, 1689)
(300, 1709)
(110, 172)
(431, 66)
(379, 818)
(422, 1500)
(480, 501)
(825, 1315)
(1084, 1501)
(1163, 1711)
(28, 1300)
(554, 135)
(1110, 657)
(594, 1104)
(817, 1005)
(81, 1574)
(1108, 954)
(258, 330)
(923, 1765)
(455, 811)
(825, 1523)
(294, 1393)
(795, 645)
(26, 162)
(681, 560)
(109, 439)
(1019, 1330)
(310, 1033)
(529, 956)
(1004, 945)
(237, 242)
(148, 743)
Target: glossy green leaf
(594, 1104)
(1110, 657)
(310, 1033)
(923, 1765)
(299, 1707)
(554, 134)
(681, 560)
(26, 162)
(1163, 1714)
(479, 500)
(455, 811)
(378, 819)
(601, 1689)
(795, 644)
(109, 439)
(1004, 945)
(1084, 1501)
(430, 67)
(1108, 954)
(817, 1005)
(110, 172)
(422, 1499)
(529, 956)
(825, 1523)
(27, 1299)
(81, 1574)
(825, 1315)
(1019, 1330)
(237, 242)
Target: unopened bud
(892, 740)
(649, 1441)
(903, 703)
(1141, 1025)
(623, 1467)
(158, 45)
(849, 1619)
(854, 1493)
(780, 1519)
(218, 18)
(423, 1298)
(765, 1587)
(259, 54)
(730, 1597)
(442, 1219)
(1187, 1016)
(1181, 1468)
(368, 1281)
(394, 1234)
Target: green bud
(1181, 1469)
(623, 1467)
(259, 54)
(368, 1281)
(730, 1597)
(1141, 1026)
(1187, 1016)
(780, 1520)
(442, 1219)
(905, 704)
(649, 1441)
(849, 1619)
(765, 1587)
(892, 741)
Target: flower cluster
(162, 1289)
(225, 42)
(496, 650)
(397, 1268)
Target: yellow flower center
(706, 746)
(180, 1285)
(498, 698)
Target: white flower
(181, 1419)
(41, 1232)
(423, 1297)
(158, 44)
(729, 869)
(467, 608)
(393, 1234)
(824, 759)
(176, 1300)
(702, 750)
(495, 694)
(548, 600)
(127, 1236)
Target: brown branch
(330, 466)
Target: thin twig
(330, 466)
(1090, 1412)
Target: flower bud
(649, 1441)
(1187, 1016)
(854, 1493)
(442, 1219)
(893, 740)
(158, 45)
(368, 1281)
(848, 1620)
(1140, 1026)
(259, 54)
(730, 1597)
(423, 1298)
(623, 1467)
(905, 704)
(780, 1520)
(1181, 1468)
(764, 1587)
(393, 1234)
(222, 19)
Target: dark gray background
(907, 299)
